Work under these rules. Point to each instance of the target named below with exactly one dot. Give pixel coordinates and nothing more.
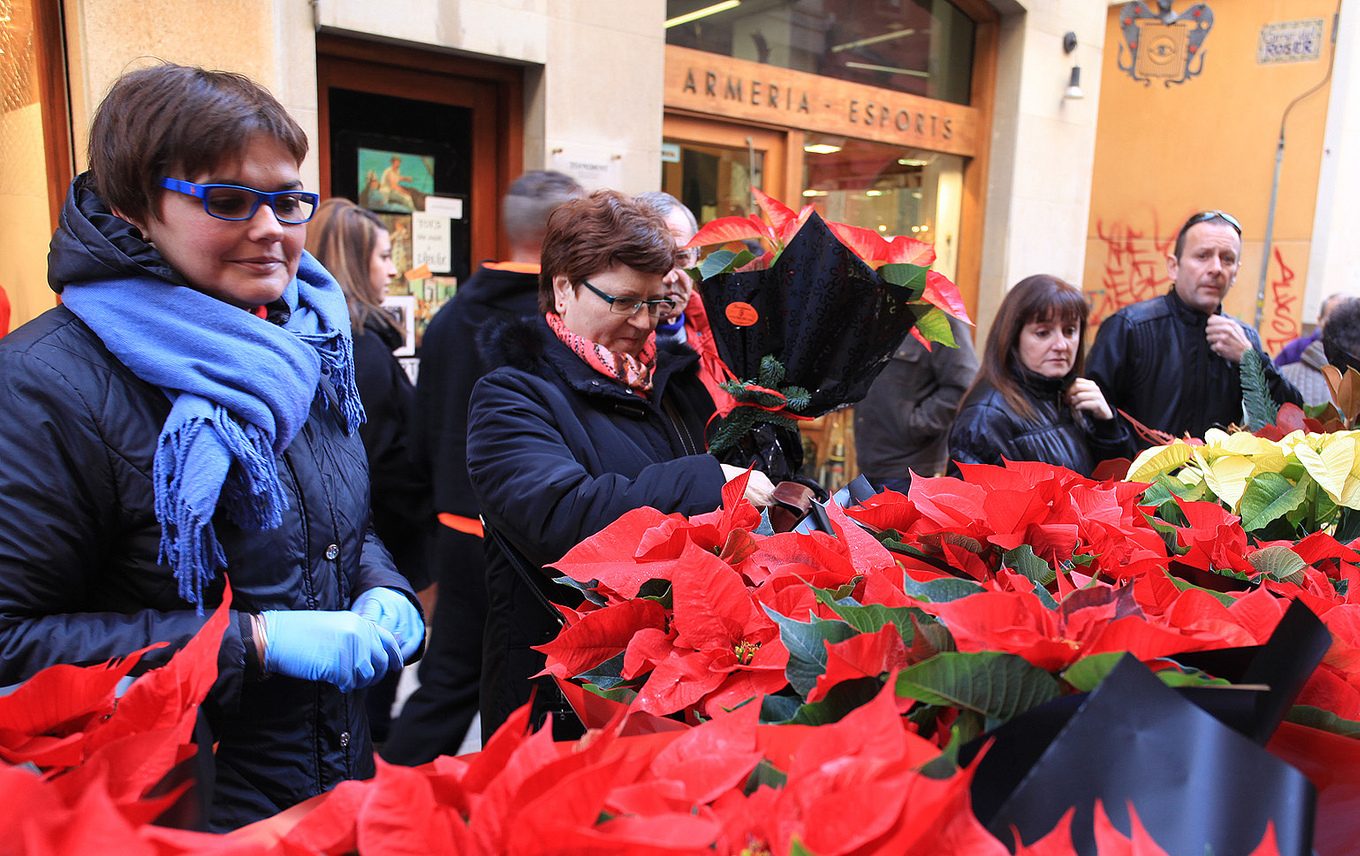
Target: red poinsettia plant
(751, 692)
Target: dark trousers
(437, 715)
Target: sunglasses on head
(1206, 216)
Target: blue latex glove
(392, 611)
(339, 648)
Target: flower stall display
(804, 327)
(828, 692)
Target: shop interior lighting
(821, 148)
(911, 162)
(873, 193)
(810, 192)
(872, 40)
(890, 69)
(686, 18)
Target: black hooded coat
(80, 581)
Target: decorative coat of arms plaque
(1161, 44)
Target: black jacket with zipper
(1152, 361)
(556, 452)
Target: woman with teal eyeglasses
(187, 417)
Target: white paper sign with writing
(593, 169)
(432, 241)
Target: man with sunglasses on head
(1173, 362)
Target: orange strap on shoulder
(466, 525)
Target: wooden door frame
(55, 102)
(493, 91)
(777, 167)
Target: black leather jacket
(1152, 361)
(987, 430)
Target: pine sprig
(754, 397)
(1261, 409)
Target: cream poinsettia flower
(1226, 463)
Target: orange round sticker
(742, 314)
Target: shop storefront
(877, 114)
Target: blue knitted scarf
(242, 388)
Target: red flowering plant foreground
(799, 693)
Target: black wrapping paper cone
(1198, 786)
(828, 317)
(1282, 665)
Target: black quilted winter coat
(79, 577)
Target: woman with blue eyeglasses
(588, 418)
(187, 418)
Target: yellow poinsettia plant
(1302, 482)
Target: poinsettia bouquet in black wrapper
(805, 327)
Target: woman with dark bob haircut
(587, 419)
(187, 418)
(1029, 401)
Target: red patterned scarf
(633, 372)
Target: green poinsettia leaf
(1323, 720)
(1170, 534)
(939, 591)
(1268, 497)
(967, 727)
(1219, 596)
(778, 708)
(910, 277)
(806, 644)
(607, 675)
(622, 695)
(723, 261)
(1045, 596)
(934, 326)
(796, 848)
(1023, 560)
(840, 700)
(872, 617)
(998, 686)
(1087, 673)
(1280, 562)
(967, 542)
(1347, 526)
(587, 589)
(767, 775)
(1164, 490)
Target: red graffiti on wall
(1134, 269)
(1280, 324)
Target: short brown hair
(1035, 298)
(590, 235)
(167, 119)
(342, 236)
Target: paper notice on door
(445, 206)
(432, 241)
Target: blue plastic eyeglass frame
(611, 299)
(200, 191)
